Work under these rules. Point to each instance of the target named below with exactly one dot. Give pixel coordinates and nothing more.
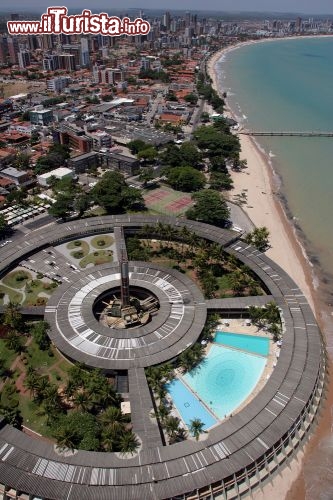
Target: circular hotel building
(125, 316)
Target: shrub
(21, 276)
(100, 243)
(78, 255)
(40, 276)
(77, 243)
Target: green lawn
(103, 241)
(17, 279)
(6, 354)
(14, 296)
(34, 288)
(33, 416)
(83, 247)
(40, 359)
(224, 286)
(96, 258)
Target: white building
(59, 173)
(58, 84)
(23, 58)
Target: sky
(299, 6)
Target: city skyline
(322, 7)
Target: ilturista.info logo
(56, 20)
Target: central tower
(124, 291)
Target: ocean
(286, 85)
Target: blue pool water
(188, 405)
(225, 378)
(250, 343)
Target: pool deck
(237, 455)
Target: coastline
(264, 208)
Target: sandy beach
(264, 209)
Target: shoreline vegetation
(265, 208)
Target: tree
(3, 225)
(12, 316)
(66, 437)
(137, 145)
(220, 181)
(204, 117)
(148, 154)
(81, 203)
(39, 331)
(113, 420)
(128, 443)
(185, 179)
(196, 427)
(171, 156)
(62, 206)
(209, 207)
(259, 238)
(191, 98)
(146, 175)
(113, 194)
(171, 425)
(14, 342)
(82, 401)
(34, 139)
(190, 155)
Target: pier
(286, 134)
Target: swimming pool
(250, 343)
(225, 378)
(188, 405)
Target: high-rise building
(67, 62)
(51, 62)
(14, 17)
(3, 50)
(13, 49)
(166, 20)
(47, 42)
(85, 58)
(58, 84)
(24, 58)
(75, 51)
(32, 42)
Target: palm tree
(12, 316)
(109, 440)
(275, 330)
(14, 342)
(66, 438)
(82, 401)
(171, 425)
(31, 382)
(128, 443)
(237, 282)
(272, 313)
(196, 427)
(160, 230)
(113, 420)
(216, 252)
(147, 230)
(43, 386)
(169, 233)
